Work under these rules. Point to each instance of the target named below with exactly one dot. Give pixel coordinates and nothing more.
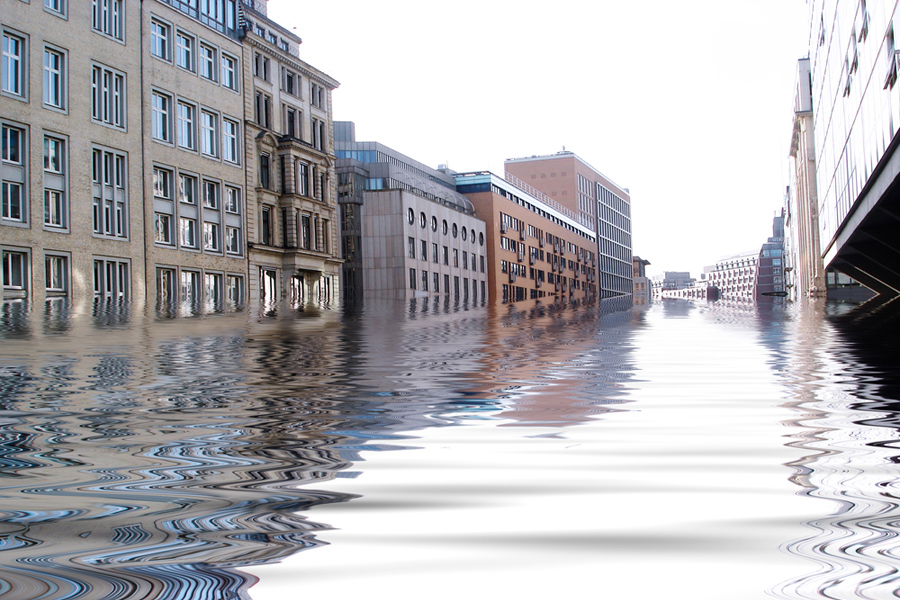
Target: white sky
(688, 104)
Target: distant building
(598, 202)
(535, 249)
(770, 265)
(643, 291)
(405, 230)
(735, 276)
(670, 280)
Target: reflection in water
(162, 458)
(843, 380)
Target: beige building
(292, 221)
(72, 222)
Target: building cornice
(311, 72)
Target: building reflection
(844, 391)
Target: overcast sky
(687, 104)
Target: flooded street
(409, 451)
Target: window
(209, 133)
(261, 66)
(13, 175)
(162, 183)
(188, 228)
(305, 232)
(263, 110)
(318, 134)
(108, 97)
(303, 179)
(316, 95)
(412, 279)
(230, 146)
(232, 240)
(159, 39)
(212, 288)
(437, 283)
(289, 82)
(264, 171)
(211, 236)
(208, 62)
(290, 121)
(446, 255)
(266, 229)
(455, 257)
(111, 279)
(210, 194)
(163, 228)
(187, 189)
(234, 289)
(13, 66)
(190, 288)
(56, 208)
(54, 78)
(229, 72)
(434, 253)
(184, 51)
(57, 6)
(161, 109)
(423, 254)
(15, 272)
(108, 18)
(109, 190)
(412, 247)
(187, 126)
(424, 281)
(232, 200)
(56, 274)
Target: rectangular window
(234, 289)
(208, 62)
(424, 281)
(13, 201)
(412, 279)
(318, 133)
(437, 283)
(111, 279)
(211, 236)
(187, 126)
(229, 72)
(303, 179)
(210, 194)
(316, 95)
(108, 96)
(162, 183)
(232, 200)
(190, 288)
(108, 18)
(57, 6)
(54, 208)
(263, 110)
(290, 121)
(184, 51)
(159, 39)
(110, 193)
(261, 66)
(54, 78)
(233, 240)
(187, 189)
(264, 173)
(13, 66)
(423, 255)
(305, 232)
(230, 145)
(161, 116)
(434, 253)
(446, 255)
(209, 133)
(188, 229)
(212, 288)
(11, 141)
(266, 230)
(163, 228)
(412, 247)
(56, 274)
(165, 286)
(15, 271)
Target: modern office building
(770, 264)
(854, 67)
(643, 290)
(598, 202)
(405, 230)
(292, 219)
(535, 247)
(169, 106)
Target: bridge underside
(867, 248)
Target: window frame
(108, 19)
(19, 90)
(161, 116)
(57, 79)
(160, 39)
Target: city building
(598, 202)
(172, 104)
(292, 218)
(804, 267)
(854, 67)
(535, 247)
(734, 276)
(405, 230)
(770, 264)
(643, 290)
(670, 280)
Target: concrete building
(803, 253)
(535, 249)
(770, 265)
(734, 276)
(171, 103)
(670, 280)
(405, 230)
(598, 202)
(643, 290)
(854, 68)
(292, 219)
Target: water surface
(426, 451)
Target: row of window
(111, 275)
(14, 70)
(303, 230)
(423, 255)
(420, 281)
(194, 289)
(177, 121)
(192, 54)
(455, 230)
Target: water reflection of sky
(417, 442)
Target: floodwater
(419, 451)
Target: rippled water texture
(416, 451)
